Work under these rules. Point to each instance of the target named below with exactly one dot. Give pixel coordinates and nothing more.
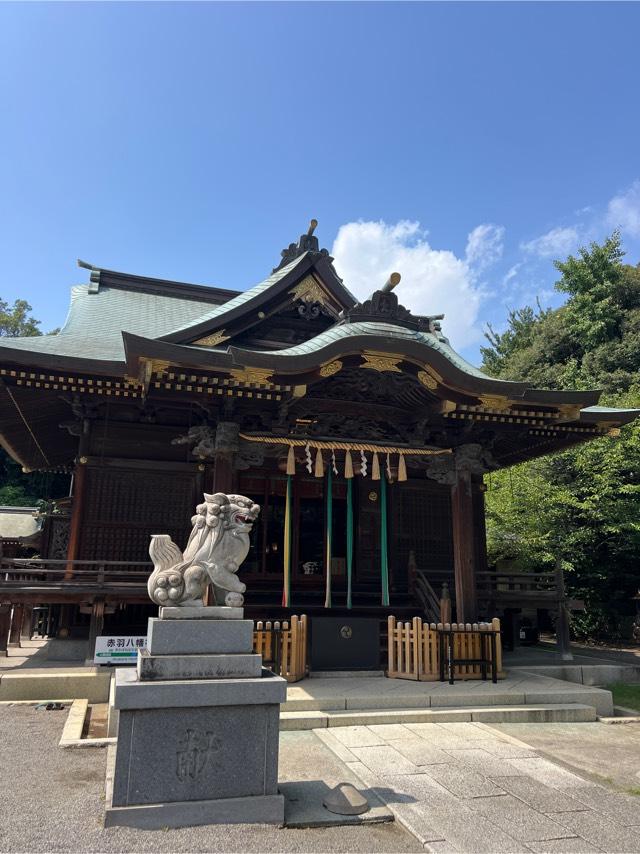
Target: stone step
(89, 683)
(548, 713)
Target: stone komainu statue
(218, 544)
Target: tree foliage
(16, 321)
(16, 487)
(581, 505)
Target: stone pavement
(465, 787)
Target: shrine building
(362, 434)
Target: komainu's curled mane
(218, 545)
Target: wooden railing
(46, 572)
(413, 649)
(283, 646)
(521, 586)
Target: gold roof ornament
(212, 340)
(252, 376)
(381, 362)
(427, 380)
(498, 401)
(309, 290)
(330, 368)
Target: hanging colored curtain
(384, 558)
(286, 587)
(349, 539)
(327, 594)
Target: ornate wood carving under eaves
(356, 385)
(202, 439)
(383, 306)
(309, 291)
(352, 427)
(466, 460)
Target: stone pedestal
(198, 728)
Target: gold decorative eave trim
(212, 340)
(330, 368)
(381, 361)
(253, 376)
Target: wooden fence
(283, 646)
(413, 649)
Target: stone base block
(265, 809)
(174, 755)
(199, 637)
(132, 693)
(257, 809)
(168, 667)
(215, 612)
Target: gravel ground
(52, 800)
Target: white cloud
(554, 244)
(511, 273)
(484, 246)
(623, 211)
(434, 281)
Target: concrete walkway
(465, 787)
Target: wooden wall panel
(123, 507)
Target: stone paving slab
(481, 761)
(622, 808)
(461, 805)
(421, 753)
(573, 845)
(519, 819)
(462, 781)
(605, 834)
(546, 772)
(537, 795)
(384, 760)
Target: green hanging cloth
(349, 539)
(286, 587)
(384, 558)
(327, 594)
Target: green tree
(16, 321)
(16, 487)
(581, 505)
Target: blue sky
(465, 145)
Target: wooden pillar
(27, 623)
(464, 548)
(226, 448)
(5, 625)
(224, 473)
(96, 626)
(563, 618)
(79, 482)
(16, 625)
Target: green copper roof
(386, 330)
(218, 313)
(95, 322)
